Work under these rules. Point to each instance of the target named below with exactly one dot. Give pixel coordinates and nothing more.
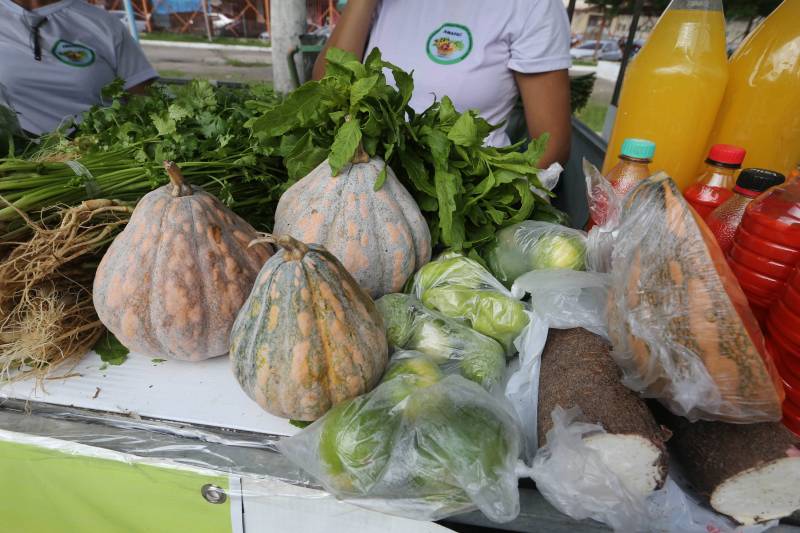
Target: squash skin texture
(308, 336)
(380, 236)
(172, 282)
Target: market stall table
(195, 414)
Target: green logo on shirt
(449, 44)
(74, 55)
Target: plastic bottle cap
(638, 148)
(727, 154)
(759, 179)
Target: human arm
(131, 63)
(545, 98)
(540, 60)
(350, 33)
(141, 88)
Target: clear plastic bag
(532, 245)
(680, 325)
(560, 299)
(605, 207)
(455, 347)
(461, 288)
(568, 299)
(420, 445)
(576, 480)
(522, 386)
(605, 204)
(549, 179)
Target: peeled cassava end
(750, 472)
(635, 459)
(765, 492)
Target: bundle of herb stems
(37, 187)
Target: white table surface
(198, 393)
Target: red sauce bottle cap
(727, 155)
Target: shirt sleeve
(132, 65)
(541, 43)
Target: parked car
(220, 21)
(637, 45)
(141, 24)
(605, 50)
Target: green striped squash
(308, 337)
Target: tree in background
(749, 10)
(738, 9)
(611, 8)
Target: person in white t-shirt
(56, 57)
(483, 55)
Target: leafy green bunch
(353, 104)
(465, 189)
(10, 132)
(197, 121)
(118, 152)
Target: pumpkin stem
(179, 185)
(295, 250)
(361, 155)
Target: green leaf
(303, 106)
(426, 203)
(370, 145)
(528, 202)
(337, 116)
(164, 125)
(373, 62)
(339, 56)
(547, 213)
(381, 179)
(446, 191)
(360, 89)
(302, 424)
(344, 145)
(372, 127)
(536, 148)
(110, 350)
(304, 157)
(496, 215)
(439, 145)
(339, 60)
(465, 132)
(417, 174)
(356, 67)
(447, 111)
(177, 112)
(405, 84)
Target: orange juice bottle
(673, 88)
(760, 109)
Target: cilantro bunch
(192, 122)
(467, 191)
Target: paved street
(217, 62)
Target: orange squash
(172, 282)
(308, 336)
(380, 236)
